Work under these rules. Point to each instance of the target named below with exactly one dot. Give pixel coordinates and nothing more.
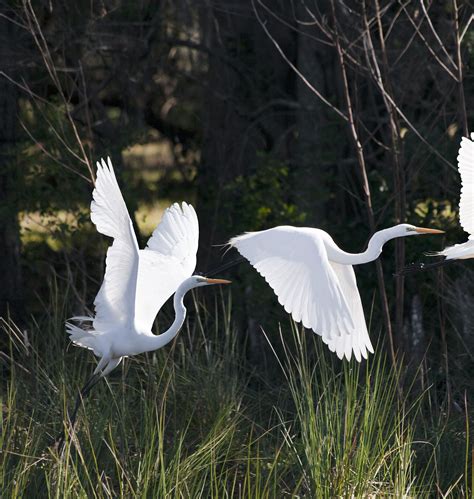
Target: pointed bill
(425, 230)
(217, 281)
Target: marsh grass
(196, 420)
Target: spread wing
(358, 341)
(169, 259)
(466, 170)
(115, 301)
(294, 262)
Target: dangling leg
(113, 363)
(422, 267)
(89, 384)
(102, 363)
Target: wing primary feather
(295, 264)
(168, 259)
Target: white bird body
(127, 341)
(137, 282)
(461, 251)
(315, 282)
(464, 250)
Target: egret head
(403, 230)
(199, 280)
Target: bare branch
(294, 68)
(462, 100)
(435, 34)
(41, 43)
(427, 44)
(365, 183)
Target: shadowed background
(342, 115)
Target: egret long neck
(162, 339)
(374, 248)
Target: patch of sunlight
(113, 113)
(52, 229)
(444, 210)
(150, 155)
(148, 215)
(452, 130)
(27, 111)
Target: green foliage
(263, 198)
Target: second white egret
(315, 282)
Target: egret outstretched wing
(169, 259)
(294, 262)
(115, 301)
(358, 341)
(466, 170)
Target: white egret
(136, 282)
(315, 282)
(464, 250)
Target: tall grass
(196, 420)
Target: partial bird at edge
(461, 251)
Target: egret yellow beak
(425, 230)
(217, 281)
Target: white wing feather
(169, 259)
(358, 341)
(294, 262)
(115, 301)
(466, 170)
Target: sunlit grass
(46, 228)
(195, 419)
(149, 155)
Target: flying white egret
(136, 282)
(315, 282)
(464, 250)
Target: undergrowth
(196, 419)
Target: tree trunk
(315, 61)
(244, 112)
(11, 295)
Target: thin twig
(294, 68)
(462, 100)
(40, 41)
(365, 183)
(398, 173)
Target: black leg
(422, 267)
(225, 266)
(90, 383)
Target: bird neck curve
(163, 339)
(374, 248)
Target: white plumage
(466, 203)
(168, 259)
(137, 282)
(323, 295)
(358, 340)
(315, 282)
(466, 170)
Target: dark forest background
(344, 115)
(341, 115)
